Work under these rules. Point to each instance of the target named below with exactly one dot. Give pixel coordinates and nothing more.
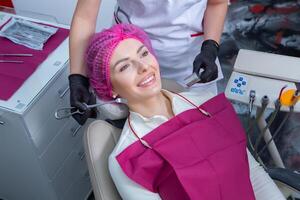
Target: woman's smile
(149, 80)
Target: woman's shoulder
(126, 138)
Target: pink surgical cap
(100, 50)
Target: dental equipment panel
(264, 73)
(266, 80)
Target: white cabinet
(42, 158)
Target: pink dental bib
(199, 154)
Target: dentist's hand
(79, 94)
(206, 60)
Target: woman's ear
(114, 94)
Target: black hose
(278, 129)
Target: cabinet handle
(75, 131)
(2, 123)
(63, 93)
(82, 155)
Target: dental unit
(266, 81)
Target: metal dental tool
(193, 79)
(17, 54)
(11, 61)
(14, 55)
(66, 112)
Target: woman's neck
(157, 105)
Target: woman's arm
(82, 28)
(128, 189)
(263, 186)
(214, 18)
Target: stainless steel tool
(11, 61)
(66, 112)
(193, 79)
(16, 54)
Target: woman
(177, 29)
(170, 147)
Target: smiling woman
(168, 149)
(122, 64)
(134, 73)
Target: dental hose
(278, 129)
(264, 103)
(272, 118)
(288, 98)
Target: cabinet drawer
(80, 189)
(40, 120)
(72, 170)
(61, 146)
(49, 130)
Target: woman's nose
(142, 66)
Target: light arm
(214, 18)
(82, 28)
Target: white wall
(61, 11)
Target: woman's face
(134, 71)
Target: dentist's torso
(169, 24)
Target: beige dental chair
(99, 140)
(101, 137)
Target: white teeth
(147, 80)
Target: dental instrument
(17, 54)
(193, 79)
(11, 61)
(66, 112)
(14, 55)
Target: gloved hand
(79, 94)
(206, 60)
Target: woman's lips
(149, 80)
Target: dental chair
(101, 137)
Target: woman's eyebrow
(125, 59)
(119, 61)
(140, 48)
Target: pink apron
(199, 154)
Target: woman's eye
(145, 53)
(124, 67)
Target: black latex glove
(79, 94)
(206, 60)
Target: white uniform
(264, 187)
(170, 24)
